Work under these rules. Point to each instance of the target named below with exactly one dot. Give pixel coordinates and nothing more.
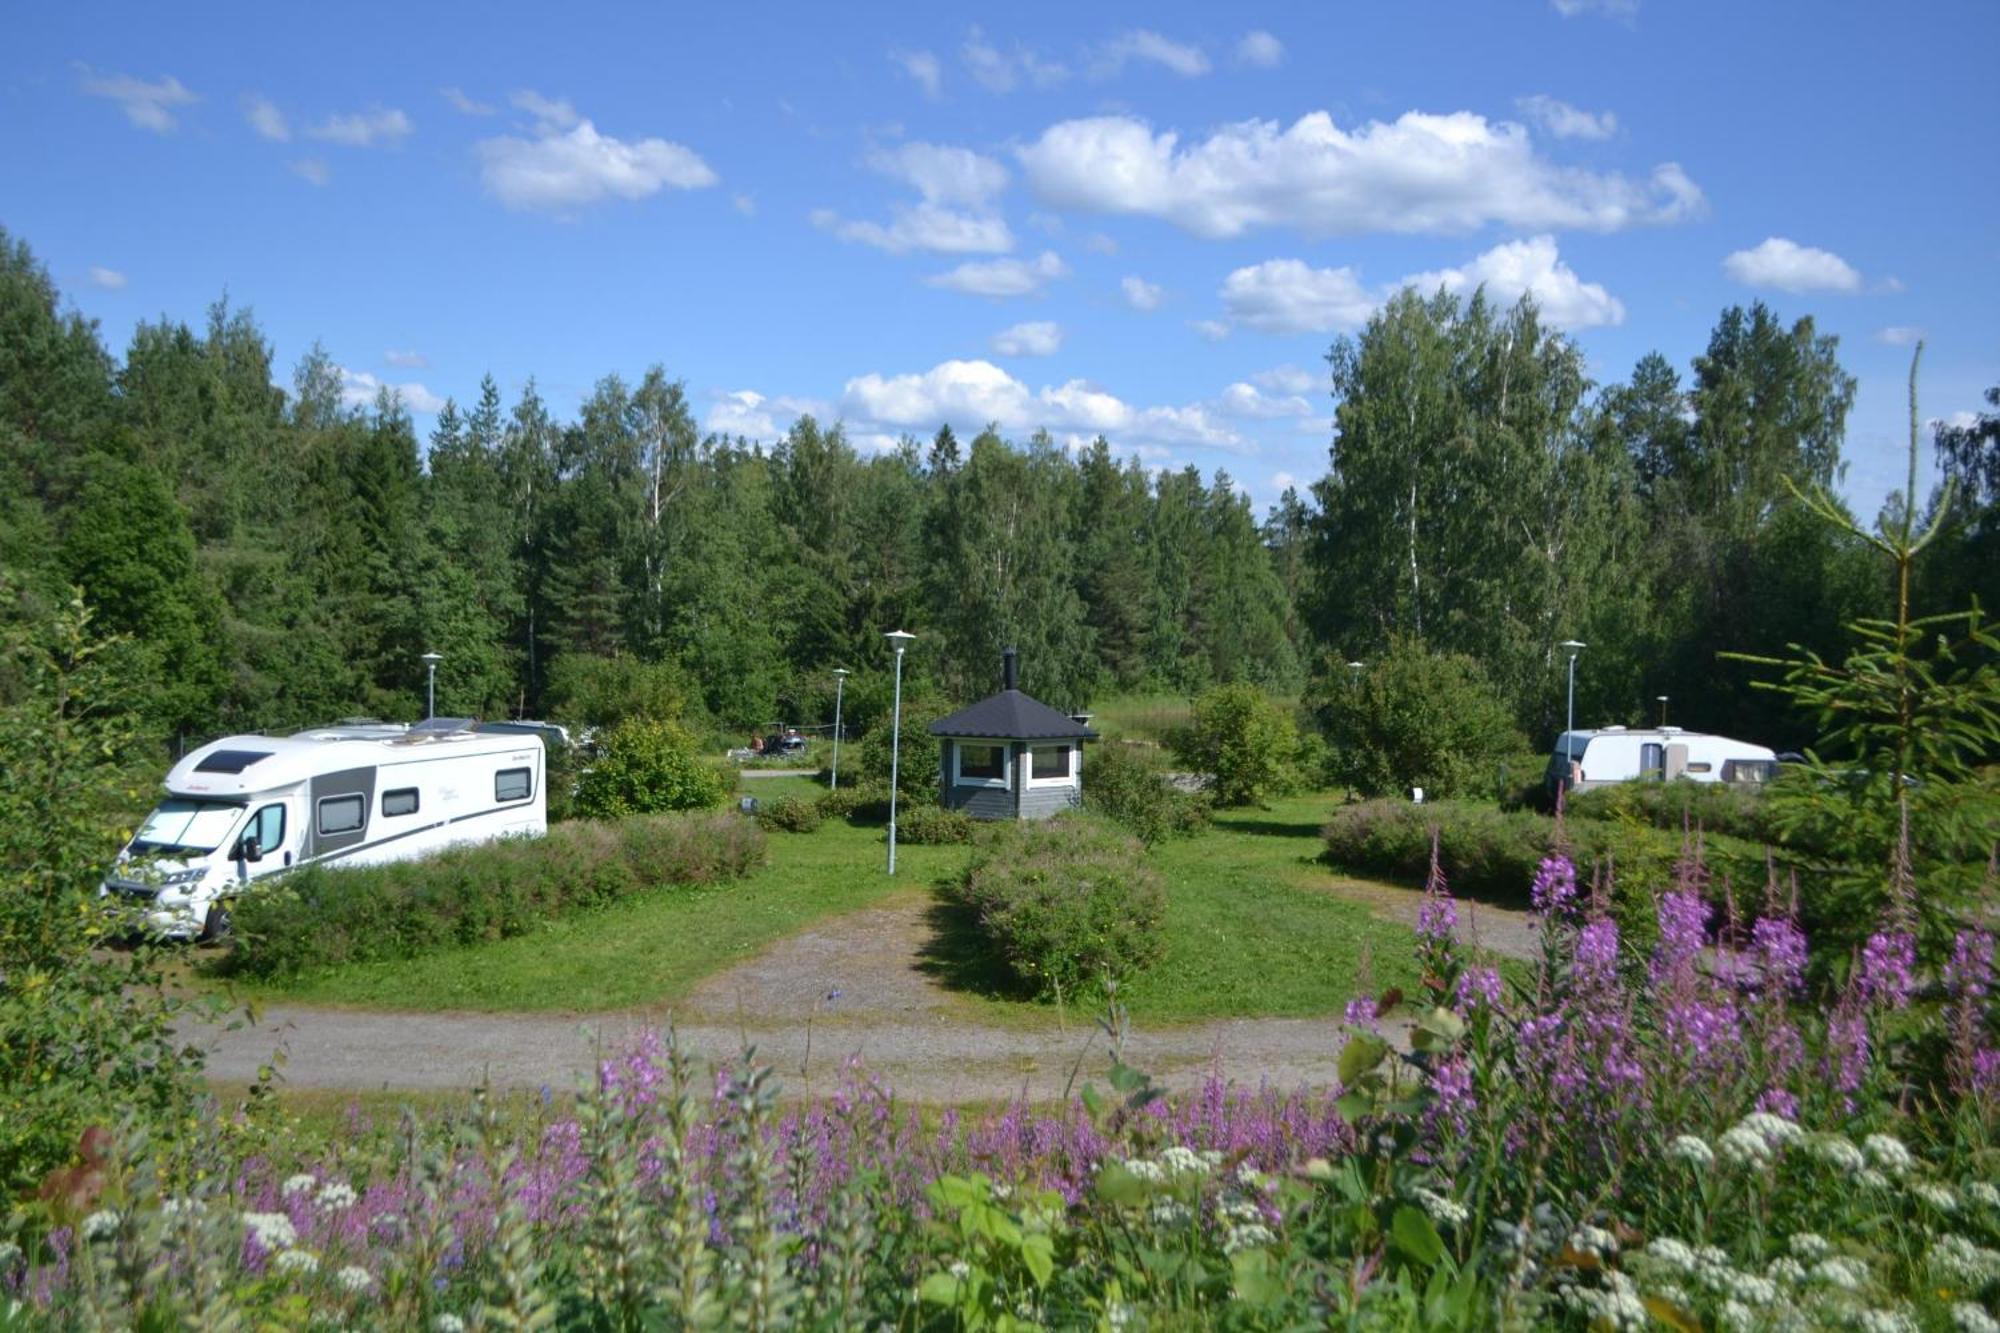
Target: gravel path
(857, 986)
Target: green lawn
(1255, 928)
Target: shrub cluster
(1243, 742)
(789, 814)
(1122, 785)
(1714, 806)
(859, 803)
(934, 826)
(1067, 903)
(1416, 718)
(327, 916)
(643, 767)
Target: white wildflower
(447, 1323)
(1776, 1130)
(1736, 1317)
(1785, 1269)
(1691, 1149)
(100, 1225)
(1670, 1254)
(1442, 1208)
(1003, 1192)
(1846, 1274)
(1250, 1178)
(1181, 1161)
(1958, 1262)
(1593, 1240)
(1888, 1152)
(1210, 1159)
(300, 1262)
(1170, 1213)
(1752, 1289)
(1836, 1152)
(1239, 1210)
(1615, 1305)
(1809, 1246)
(1117, 1314)
(1884, 1321)
(959, 1269)
(1872, 1179)
(1247, 1236)
(1146, 1170)
(10, 1256)
(1937, 1196)
(1969, 1318)
(274, 1231)
(303, 1183)
(354, 1278)
(1743, 1146)
(335, 1195)
(1984, 1193)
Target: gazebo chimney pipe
(1010, 673)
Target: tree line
(276, 557)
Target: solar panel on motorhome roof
(230, 761)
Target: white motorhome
(1586, 759)
(244, 808)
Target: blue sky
(1146, 220)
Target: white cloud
(1040, 337)
(567, 163)
(1098, 243)
(312, 169)
(110, 279)
(941, 173)
(975, 392)
(1247, 400)
(1215, 330)
(1002, 72)
(1898, 335)
(407, 360)
(364, 129)
(1565, 121)
(1531, 266)
(464, 105)
(1287, 378)
(1790, 267)
(1956, 421)
(922, 227)
(924, 68)
(1142, 295)
(1146, 45)
(750, 414)
(266, 119)
(1003, 277)
(1418, 173)
(743, 204)
(358, 389)
(1261, 49)
(150, 106)
(1623, 9)
(1290, 296)
(1891, 286)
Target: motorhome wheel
(215, 927)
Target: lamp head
(1574, 646)
(432, 658)
(899, 639)
(1357, 665)
(842, 672)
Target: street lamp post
(1354, 670)
(1574, 646)
(431, 661)
(839, 685)
(901, 640)
(1663, 709)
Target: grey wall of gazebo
(1009, 756)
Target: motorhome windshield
(180, 825)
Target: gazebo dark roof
(1012, 716)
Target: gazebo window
(1051, 763)
(980, 764)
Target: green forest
(273, 558)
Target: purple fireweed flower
(1781, 949)
(1683, 918)
(1709, 1033)
(1596, 962)
(1779, 1102)
(1888, 964)
(1554, 889)
(1361, 1012)
(1437, 918)
(1969, 974)
(1477, 986)
(1986, 1072)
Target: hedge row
(1712, 806)
(327, 916)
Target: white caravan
(244, 808)
(1586, 759)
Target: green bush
(934, 826)
(1714, 807)
(1120, 783)
(327, 916)
(859, 803)
(606, 691)
(789, 814)
(643, 767)
(1067, 903)
(917, 774)
(1243, 742)
(1417, 718)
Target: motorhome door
(1677, 760)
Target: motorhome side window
(402, 801)
(342, 814)
(513, 784)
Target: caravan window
(513, 784)
(267, 826)
(402, 801)
(1749, 770)
(342, 814)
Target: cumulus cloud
(567, 164)
(313, 170)
(1098, 243)
(1898, 335)
(942, 174)
(1001, 278)
(407, 360)
(1260, 49)
(1565, 121)
(1788, 266)
(1214, 330)
(266, 119)
(923, 67)
(970, 392)
(1291, 296)
(110, 279)
(754, 416)
(1142, 295)
(955, 215)
(1288, 379)
(1000, 71)
(1145, 45)
(1530, 267)
(358, 389)
(1039, 337)
(364, 129)
(1247, 400)
(1418, 173)
(149, 105)
(464, 105)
